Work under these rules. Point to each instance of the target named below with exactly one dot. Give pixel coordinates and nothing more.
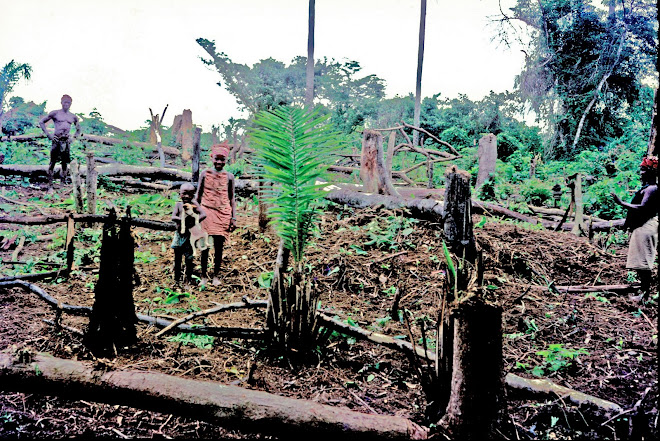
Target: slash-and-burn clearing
(373, 268)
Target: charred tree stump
(373, 172)
(458, 228)
(477, 385)
(196, 155)
(77, 187)
(112, 321)
(91, 181)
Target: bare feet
(203, 281)
(216, 281)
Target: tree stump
(374, 174)
(487, 153)
(458, 229)
(477, 385)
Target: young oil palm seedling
(292, 146)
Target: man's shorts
(60, 151)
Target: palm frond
(292, 147)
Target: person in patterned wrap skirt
(215, 193)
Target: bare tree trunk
(91, 182)
(653, 148)
(606, 75)
(477, 385)
(420, 61)
(309, 92)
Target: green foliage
(93, 124)
(389, 233)
(22, 117)
(556, 358)
(187, 338)
(291, 147)
(536, 192)
(11, 74)
(238, 168)
(578, 57)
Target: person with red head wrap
(215, 193)
(642, 220)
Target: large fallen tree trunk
(100, 140)
(428, 209)
(37, 171)
(229, 406)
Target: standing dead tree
(157, 131)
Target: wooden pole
(77, 188)
(91, 181)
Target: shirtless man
(60, 150)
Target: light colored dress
(215, 200)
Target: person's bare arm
(232, 199)
(76, 122)
(176, 214)
(43, 121)
(200, 187)
(650, 191)
(200, 210)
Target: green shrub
(535, 192)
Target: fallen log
(87, 218)
(427, 209)
(596, 288)
(39, 171)
(549, 389)
(99, 140)
(229, 406)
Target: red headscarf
(650, 162)
(220, 150)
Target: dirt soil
(614, 338)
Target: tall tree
(10, 74)
(584, 67)
(420, 61)
(309, 92)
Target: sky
(123, 57)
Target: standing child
(215, 193)
(187, 214)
